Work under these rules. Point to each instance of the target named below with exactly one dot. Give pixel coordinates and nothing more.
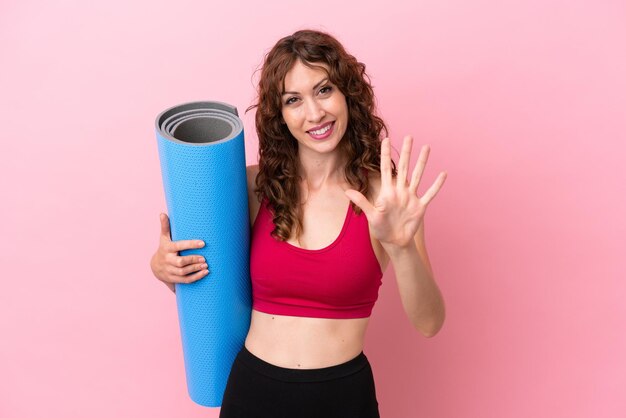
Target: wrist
(401, 250)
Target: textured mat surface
(201, 149)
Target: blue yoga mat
(201, 149)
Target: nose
(314, 111)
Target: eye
(290, 100)
(325, 89)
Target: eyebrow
(314, 87)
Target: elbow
(432, 327)
(431, 332)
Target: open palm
(397, 211)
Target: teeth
(321, 131)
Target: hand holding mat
(201, 150)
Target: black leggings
(257, 389)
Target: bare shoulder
(253, 203)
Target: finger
(189, 244)
(434, 188)
(174, 278)
(385, 164)
(183, 271)
(403, 165)
(361, 201)
(416, 177)
(196, 276)
(165, 225)
(185, 260)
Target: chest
(323, 223)
(341, 277)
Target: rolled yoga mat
(201, 149)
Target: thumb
(361, 201)
(165, 225)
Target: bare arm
(421, 298)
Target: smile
(324, 132)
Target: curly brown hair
(278, 178)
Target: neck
(322, 171)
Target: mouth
(324, 131)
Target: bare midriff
(305, 343)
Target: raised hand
(397, 211)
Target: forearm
(420, 295)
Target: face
(314, 109)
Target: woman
(316, 269)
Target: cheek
(341, 107)
(292, 125)
(286, 120)
(343, 118)
(291, 118)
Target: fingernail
(201, 260)
(204, 266)
(200, 244)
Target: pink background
(522, 102)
